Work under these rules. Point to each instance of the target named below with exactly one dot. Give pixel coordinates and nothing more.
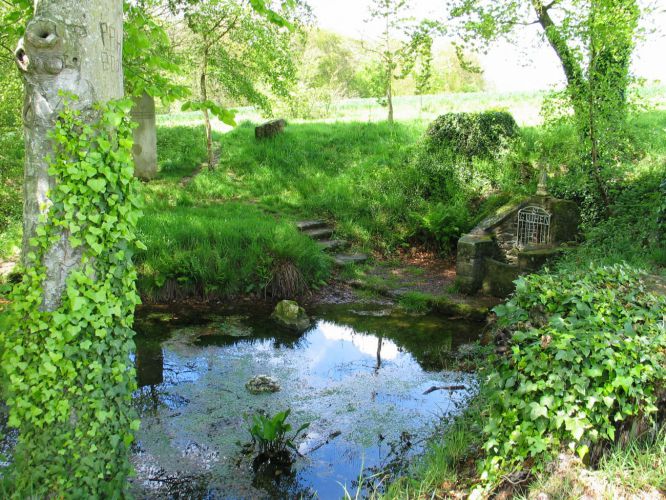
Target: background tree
(593, 40)
(402, 42)
(241, 55)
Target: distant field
(525, 107)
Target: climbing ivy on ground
(586, 362)
(69, 369)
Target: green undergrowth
(586, 366)
(222, 250)
(372, 179)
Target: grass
(635, 470)
(220, 251)
(204, 247)
(356, 174)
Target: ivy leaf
(97, 185)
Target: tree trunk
(389, 98)
(66, 48)
(204, 97)
(572, 69)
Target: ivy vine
(69, 370)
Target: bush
(11, 178)
(586, 364)
(444, 223)
(472, 135)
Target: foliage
(236, 52)
(397, 57)
(69, 368)
(269, 434)
(594, 42)
(634, 225)
(485, 134)
(445, 223)
(149, 62)
(11, 174)
(586, 364)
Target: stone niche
(517, 239)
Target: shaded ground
(414, 273)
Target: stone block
(533, 260)
(499, 278)
(144, 150)
(473, 249)
(270, 129)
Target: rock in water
(288, 313)
(262, 384)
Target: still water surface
(358, 375)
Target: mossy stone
(289, 314)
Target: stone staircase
(322, 233)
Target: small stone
(289, 314)
(262, 384)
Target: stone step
(330, 245)
(305, 225)
(346, 259)
(319, 234)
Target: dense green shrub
(11, 177)
(586, 363)
(443, 223)
(472, 135)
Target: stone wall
(488, 257)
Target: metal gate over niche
(533, 227)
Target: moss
(447, 307)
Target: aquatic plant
(269, 434)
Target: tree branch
(570, 66)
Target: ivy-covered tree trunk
(66, 48)
(68, 335)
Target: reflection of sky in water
(368, 389)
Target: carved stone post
(73, 47)
(145, 137)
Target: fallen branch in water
(445, 388)
(331, 436)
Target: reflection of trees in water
(154, 376)
(149, 363)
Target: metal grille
(533, 227)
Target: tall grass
(220, 251)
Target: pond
(360, 376)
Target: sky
(507, 67)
